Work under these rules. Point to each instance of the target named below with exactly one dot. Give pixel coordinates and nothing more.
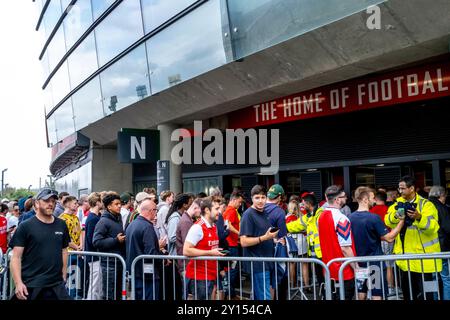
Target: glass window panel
(60, 83)
(87, 104)
(51, 130)
(197, 38)
(83, 61)
(64, 120)
(126, 81)
(51, 16)
(100, 6)
(48, 98)
(56, 49)
(77, 180)
(45, 67)
(65, 4)
(77, 21)
(264, 23)
(113, 35)
(156, 12)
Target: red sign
(429, 82)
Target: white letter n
(134, 144)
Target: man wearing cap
(277, 218)
(39, 261)
(125, 198)
(140, 197)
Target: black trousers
(58, 292)
(416, 285)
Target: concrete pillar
(438, 169)
(347, 187)
(108, 173)
(165, 150)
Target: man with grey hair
(438, 196)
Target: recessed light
(380, 165)
(311, 170)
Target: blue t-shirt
(367, 229)
(254, 224)
(277, 218)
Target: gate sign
(138, 146)
(162, 175)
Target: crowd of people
(43, 229)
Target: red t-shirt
(197, 269)
(232, 216)
(3, 234)
(380, 210)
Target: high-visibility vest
(420, 237)
(308, 225)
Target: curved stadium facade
(153, 64)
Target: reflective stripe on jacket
(308, 225)
(420, 237)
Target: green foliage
(18, 193)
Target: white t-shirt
(342, 226)
(13, 221)
(124, 213)
(195, 233)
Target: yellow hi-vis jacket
(420, 237)
(308, 224)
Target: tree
(19, 193)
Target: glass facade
(258, 24)
(188, 45)
(77, 182)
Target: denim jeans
(261, 286)
(233, 272)
(200, 289)
(445, 279)
(148, 284)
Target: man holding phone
(257, 241)
(202, 240)
(418, 235)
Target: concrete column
(108, 173)
(165, 150)
(438, 173)
(347, 187)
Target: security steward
(418, 236)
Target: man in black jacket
(142, 239)
(109, 238)
(438, 196)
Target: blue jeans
(148, 283)
(200, 289)
(233, 272)
(445, 279)
(261, 286)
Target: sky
(22, 136)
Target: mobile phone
(224, 251)
(272, 230)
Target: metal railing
(5, 276)
(96, 276)
(419, 285)
(154, 272)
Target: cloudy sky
(22, 135)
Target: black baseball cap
(46, 193)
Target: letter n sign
(138, 146)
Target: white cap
(5, 200)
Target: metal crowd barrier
(173, 284)
(5, 276)
(96, 276)
(419, 285)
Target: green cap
(275, 191)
